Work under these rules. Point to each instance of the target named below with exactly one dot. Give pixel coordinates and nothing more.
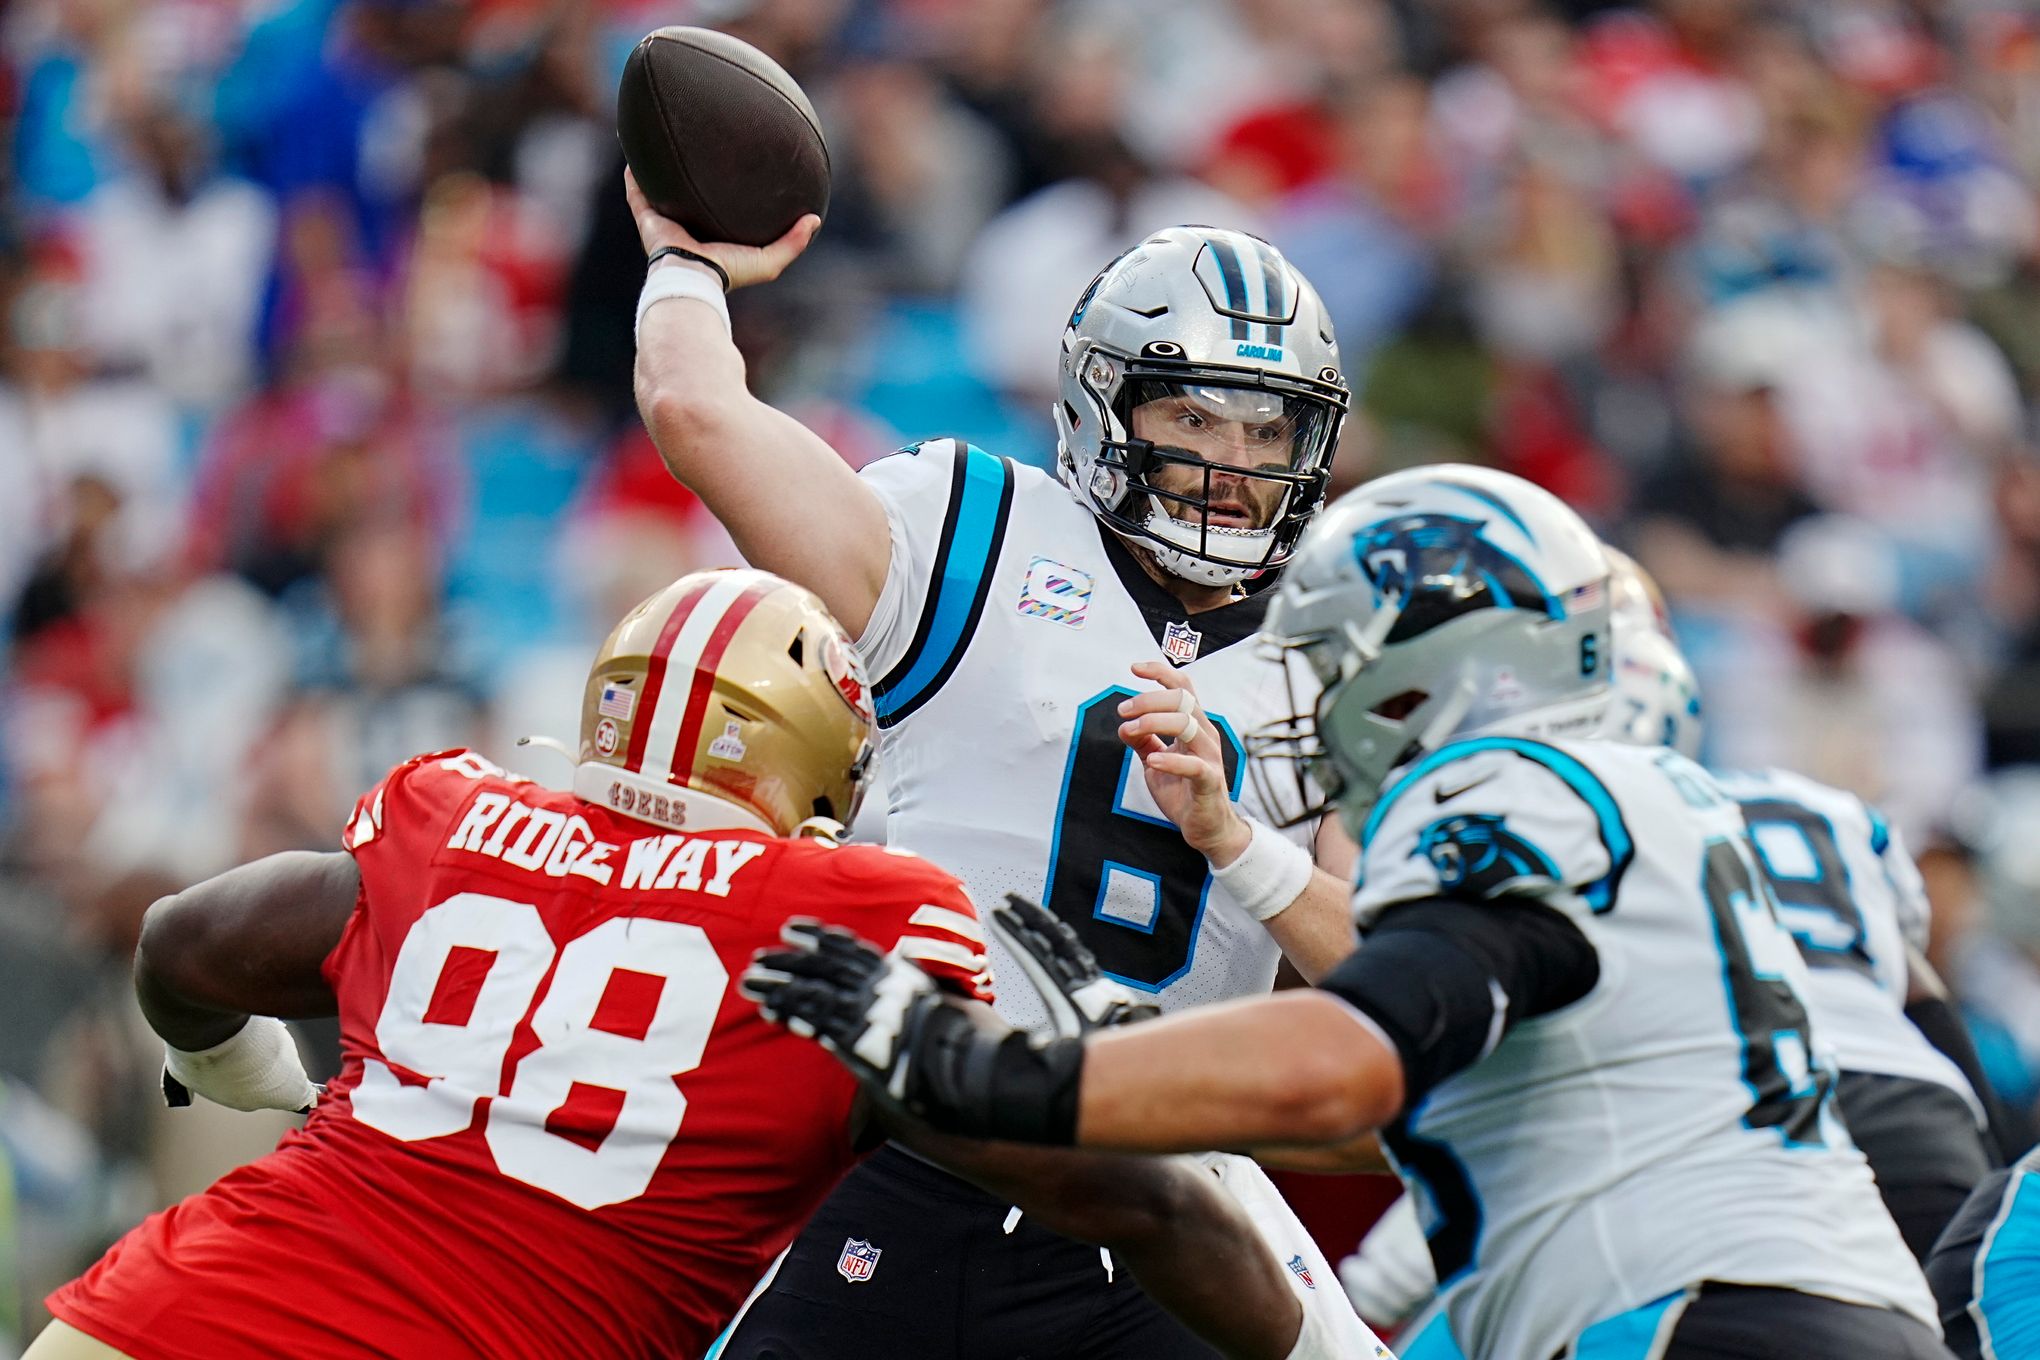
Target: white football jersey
(1673, 1126)
(1853, 899)
(1002, 646)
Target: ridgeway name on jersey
(1003, 640)
(1853, 899)
(558, 1129)
(1673, 1126)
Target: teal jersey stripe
(2007, 1304)
(1615, 836)
(1627, 1336)
(971, 540)
(1435, 1342)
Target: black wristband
(681, 252)
(983, 1080)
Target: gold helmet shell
(735, 684)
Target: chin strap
(1178, 560)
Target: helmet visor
(1221, 456)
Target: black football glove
(1064, 972)
(953, 1064)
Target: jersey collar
(1220, 627)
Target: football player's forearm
(1201, 1258)
(790, 502)
(177, 1020)
(1316, 932)
(1192, 1246)
(1356, 1156)
(250, 941)
(1290, 1069)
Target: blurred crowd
(317, 447)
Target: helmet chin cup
(1195, 569)
(1171, 542)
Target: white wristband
(257, 1069)
(1270, 874)
(681, 281)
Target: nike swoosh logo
(1445, 795)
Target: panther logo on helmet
(1430, 604)
(1438, 567)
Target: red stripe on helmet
(704, 676)
(655, 673)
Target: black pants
(948, 1283)
(1749, 1322)
(1923, 1146)
(2008, 1201)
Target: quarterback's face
(1229, 429)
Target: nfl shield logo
(1180, 643)
(1302, 1271)
(858, 1260)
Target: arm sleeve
(1445, 979)
(1495, 820)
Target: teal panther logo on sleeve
(1477, 852)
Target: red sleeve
(913, 908)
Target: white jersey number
(588, 1113)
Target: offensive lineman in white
(1853, 901)
(1574, 1014)
(1033, 643)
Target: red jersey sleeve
(909, 906)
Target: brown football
(720, 138)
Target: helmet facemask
(1428, 632)
(1217, 472)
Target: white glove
(1391, 1277)
(258, 1069)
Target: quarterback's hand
(1077, 995)
(257, 1069)
(1183, 763)
(952, 1064)
(745, 265)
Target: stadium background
(317, 448)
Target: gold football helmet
(734, 684)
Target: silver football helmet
(1218, 338)
(1430, 604)
(1657, 696)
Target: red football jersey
(558, 1130)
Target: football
(720, 138)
